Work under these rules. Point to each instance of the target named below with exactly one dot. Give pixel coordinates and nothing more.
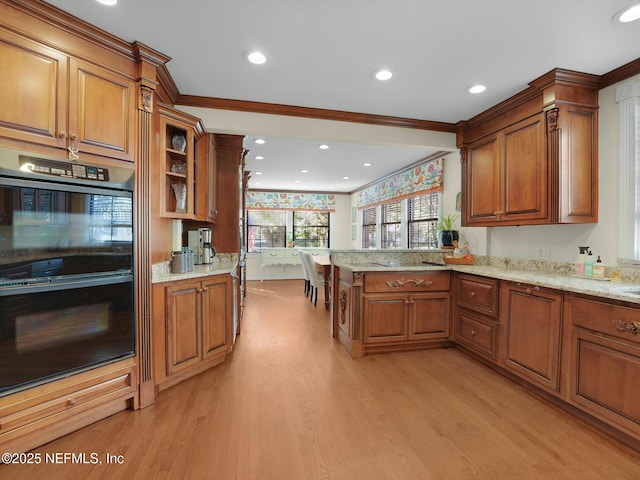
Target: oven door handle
(53, 284)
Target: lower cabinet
(406, 310)
(36, 416)
(531, 338)
(476, 314)
(195, 322)
(605, 356)
(392, 318)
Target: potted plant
(447, 233)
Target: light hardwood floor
(290, 404)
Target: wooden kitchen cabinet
(56, 100)
(193, 321)
(605, 362)
(43, 413)
(532, 159)
(184, 166)
(506, 175)
(405, 310)
(476, 314)
(531, 321)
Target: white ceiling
(322, 54)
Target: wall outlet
(543, 253)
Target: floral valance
(290, 201)
(424, 178)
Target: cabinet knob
(473, 332)
(71, 402)
(205, 289)
(62, 135)
(473, 294)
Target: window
(628, 99)
(369, 228)
(277, 228)
(391, 225)
(409, 223)
(311, 229)
(422, 219)
(266, 228)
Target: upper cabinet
(187, 162)
(533, 159)
(52, 99)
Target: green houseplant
(448, 234)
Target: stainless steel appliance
(200, 242)
(66, 268)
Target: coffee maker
(200, 244)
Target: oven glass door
(66, 280)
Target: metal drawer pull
(623, 326)
(419, 282)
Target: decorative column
(628, 99)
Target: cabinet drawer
(406, 282)
(477, 293)
(476, 333)
(606, 318)
(68, 400)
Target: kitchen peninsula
(573, 341)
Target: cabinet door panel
(214, 317)
(533, 327)
(101, 111)
(33, 91)
(606, 378)
(183, 334)
(482, 181)
(525, 170)
(429, 316)
(384, 318)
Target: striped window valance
(290, 201)
(426, 177)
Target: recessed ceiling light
(257, 173)
(110, 3)
(345, 178)
(256, 183)
(367, 164)
(324, 146)
(628, 14)
(304, 170)
(256, 57)
(477, 88)
(296, 181)
(259, 141)
(259, 157)
(383, 74)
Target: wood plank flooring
(290, 404)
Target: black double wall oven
(66, 268)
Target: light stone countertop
(587, 286)
(161, 272)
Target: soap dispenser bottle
(598, 269)
(580, 261)
(588, 265)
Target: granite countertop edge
(163, 274)
(586, 286)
